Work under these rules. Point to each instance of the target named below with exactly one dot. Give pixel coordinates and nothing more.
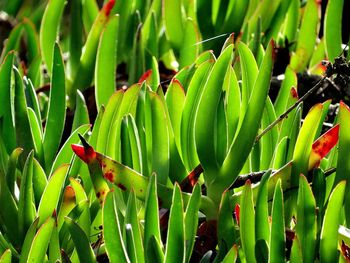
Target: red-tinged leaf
(191, 179)
(237, 209)
(108, 7)
(146, 76)
(345, 251)
(85, 152)
(294, 93)
(322, 146)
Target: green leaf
(191, 221)
(194, 93)
(6, 110)
(28, 241)
(249, 74)
(67, 205)
(51, 196)
(226, 228)
(132, 220)
(206, 114)
(76, 35)
(290, 81)
(105, 71)
(111, 231)
(175, 99)
(190, 46)
(343, 167)
(81, 241)
(175, 246)
(56, 114)
(49, 30)
(41, 241)
(292, 21)
(21, 117)
(247, 223)
(26, 203)
(160, 139)
(84, 75)
(154, 251)
(262, 227)
(296, 255)
(133, 139)
(54, 246)
(12, 42)
(6, 256)
(233, 103)
(35, 128)
(277, 237)
(11, 169)
(231, 256)
(39, 181)
(331, 221)
(173, 22)
(303, 145)
(333, 28)
(81, 114)
(306, 37)
(245, 138)
(306, 220)
(65, 154)
(152, 228)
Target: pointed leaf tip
(86, 154)
(108, 7)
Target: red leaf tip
(108, 7)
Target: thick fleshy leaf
(303, 145)
(247, 223)
(154, 251)
(9, 211)
(189, 47)
(174, 25)
(322, 146)
(152, 227)
(49, 30)
(333, 28)
(6, 110)
(307, 36)
(6, 256)
(51, 196)
(175, 246)
(132, 220)
(28, 241)
(111, 231)
(262, 228)
(194, 93)
(56, 114)
(105, 70)
(249, 74)
(81, 114)
(81, 241)
(26, 203)
(331, 221)
(245, 138)
(231, 256)
(41, 240)
(306, 220)
(191, 222)
(343, 166)
(277, 237)
(65, 154)
(84, 75)
(206, 114)
(11, 169)
(108, 119)
(22, 124)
